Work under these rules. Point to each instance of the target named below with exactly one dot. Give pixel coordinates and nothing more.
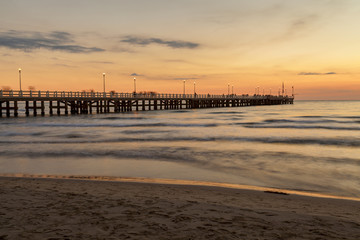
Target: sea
(309, 146)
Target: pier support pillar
(90, 107)
(15, 109)
(42, 108)
(27, 108)
(7, 108)
(34, 108)
(58, 108)
(66, 107)
(50, 108)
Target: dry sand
(38, 208)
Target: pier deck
(64, 103)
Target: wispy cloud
(184, 78)
(135, 74)
(169, 43)
(316, 73)
(101, 62)
(54, 41)
(65, 65)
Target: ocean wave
(225, 112)
(123, 118)
(181, 111)
(259, 125)
(91, 125)
(145, 131)
(306, 122)
(275, 168)
(313, 116)
(351, 117)
(14, 134)
(74, 135)
(237, 159)
(73, 138)
(329, 116)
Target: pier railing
(71, 94)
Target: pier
(63, 103)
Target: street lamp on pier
(184, 86)
(194, 88)
(20, 77)
(232, 90)
(134, 84)
(104, 82)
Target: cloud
(175, 60)
(309, 73)
(191, 78)
(101, 62)
(169, 43)
(65, 65)
(135, 74)
(303, 22)
(54, 41)
(316, 73)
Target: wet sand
(42, 208)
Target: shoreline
(56, 208)
(180, 182)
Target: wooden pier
(63, 103)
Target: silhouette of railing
(71, 94)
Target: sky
(67, 45)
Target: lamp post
(20, 77)
(184, 87)
(134, 84)
(232, 90)
(194, 88)
(104, 82)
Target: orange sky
(67, 45)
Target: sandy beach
(42, 208)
